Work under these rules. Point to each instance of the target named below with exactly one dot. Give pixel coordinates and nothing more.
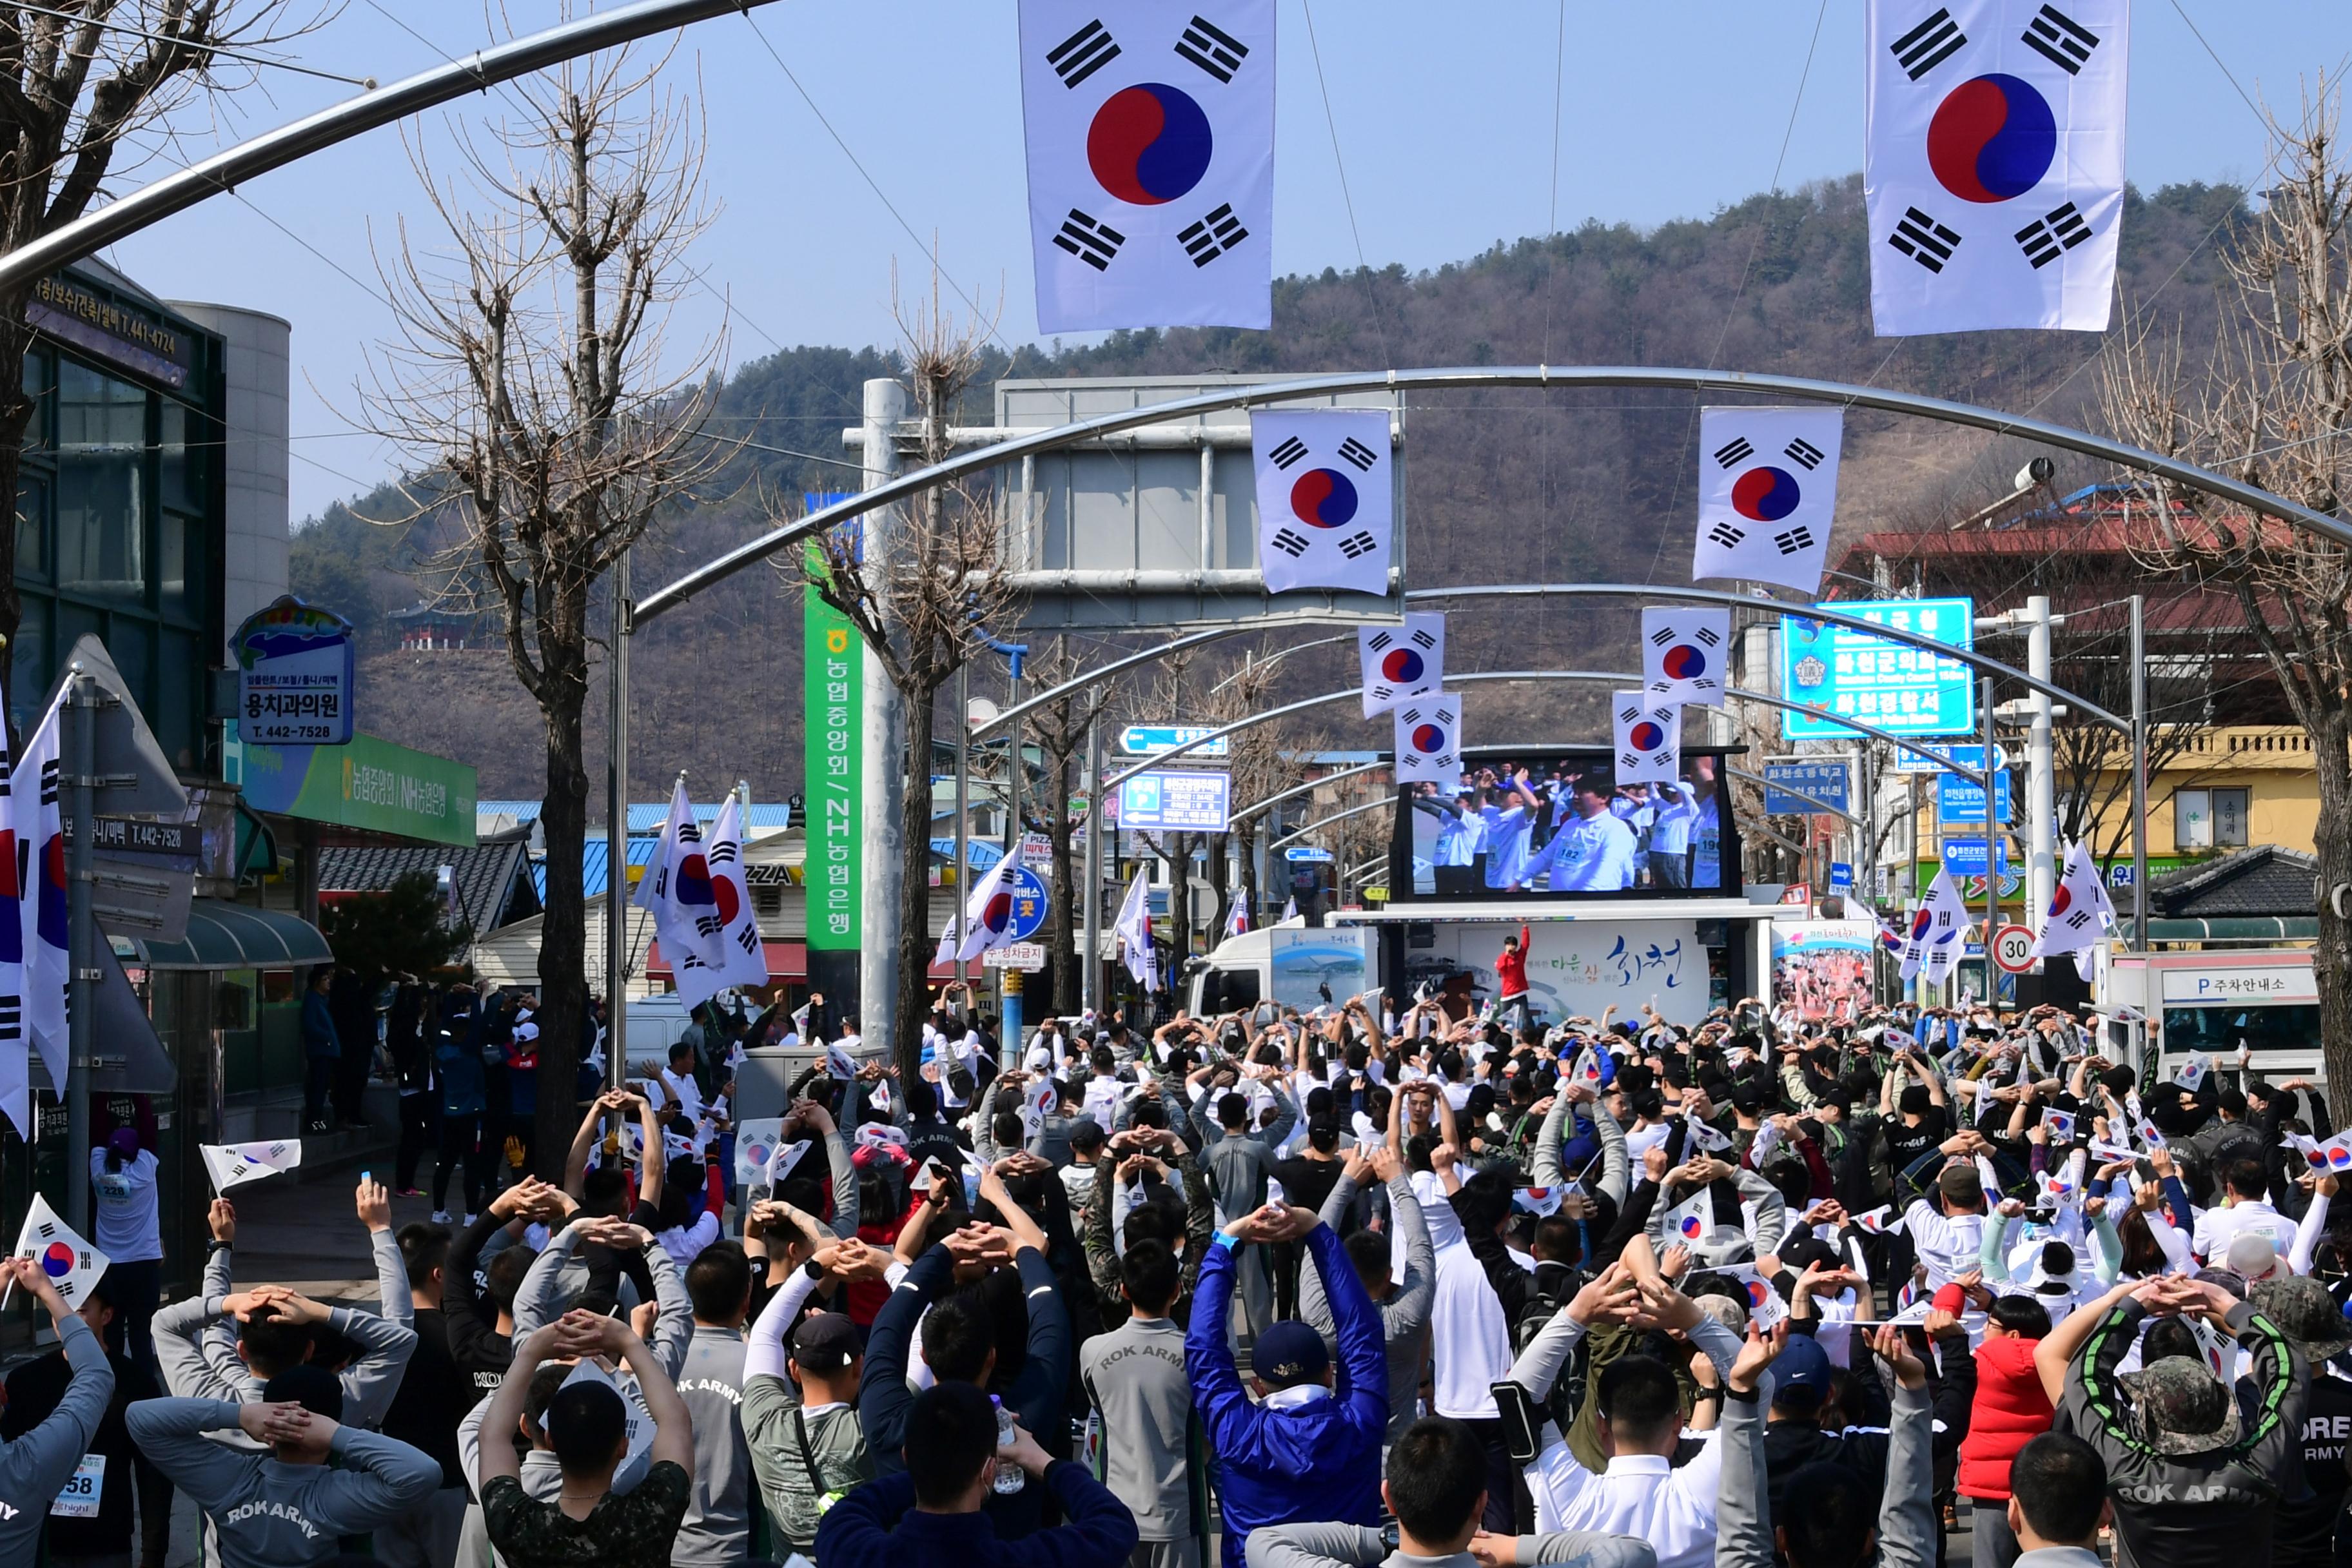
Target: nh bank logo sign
(836, 639)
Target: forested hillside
(1500, 487)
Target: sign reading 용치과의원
(294, 667)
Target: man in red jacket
(1511, 981)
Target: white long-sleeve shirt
(2216, 1229)
(1948, 1244)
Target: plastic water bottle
(1010, 1477)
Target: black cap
(826, 1342)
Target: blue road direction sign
(1894, 687)
(1180, 800)
(1031, 902)
(1966, 857)
(1307, 855)
(1151, 740)
(1958, 800)
(1840, 876)
(1826, 781)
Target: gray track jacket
(196, 1346)
(35, 1467)
(1404, 1316)
(1359, 1545)
(1907, 1535)
(264, 1513)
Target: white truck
(2265, 999)
(1682, 956)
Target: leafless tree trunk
(2273, 406)
(81, 81)
(531, 384)
(1060, 731)
(920, 601)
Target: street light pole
(887, 771)
(1090, 894)
(1992, 882)
(617, 835)
(2041, 795)
(2139, 771)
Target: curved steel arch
(1970, 657)
(1273, 844)
(1471, 377)
(1614, 677)
(1311, 784)
(225, 171)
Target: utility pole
(888, 772)
(2040, 785)
(617, 835)
(1992, 880)
(2139, 771)
(78, 805)
(963, 811)
(1090, 888)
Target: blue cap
(1801, 1374)
(1289, 1353)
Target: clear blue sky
(1444, 117)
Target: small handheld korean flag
(2074, 922)
(234, 1164)
(2057, 1125)
(1705, 1137)
(1398, 662)
(2332, 1156)
(1649, 738)
(1878, 1221)
(1325, 501)
(1765, 1308)
(72, 1264)
(1767, 493)
(1541, 1201)
(1691, 1220)
(757, 1138)
(1149, 127)
(1686, 654)
(837, 1063)
(637, 1425)
(2192, 1071)
(1994, 170)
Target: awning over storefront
(224, 935)
(786, 961)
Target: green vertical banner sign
(834, 657)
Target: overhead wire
(1331, 121)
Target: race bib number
(80, 1497)
(112, 1184)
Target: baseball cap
(826, 1342)
(2251, 1255)
(2183, 1408)
(1289, 1353)
(1801, 1374)
(2306, 1313)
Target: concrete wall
(259, 376)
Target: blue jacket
(458, 1058)
(878, 1526)
(1035, 1395)
(1318, 1461)
(319, 1027)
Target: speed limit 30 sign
(2012, 949)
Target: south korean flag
(2077, 917)
(1994, 174)
(1767, 493)
(1403, 661)
(1429, 742)
(1648, 738)
(1150, 139)
(1325, 501)
(1686, 655)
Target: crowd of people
(1288, 1291)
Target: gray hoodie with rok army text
(35, 1467)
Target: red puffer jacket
(2011, 1411)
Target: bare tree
(2272, 406)
(533, 382)
(1059, 729)
(82, 84)
(1262, 764)
(920, 600)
